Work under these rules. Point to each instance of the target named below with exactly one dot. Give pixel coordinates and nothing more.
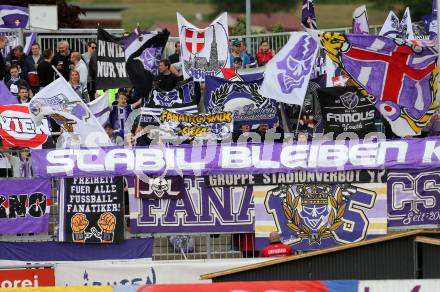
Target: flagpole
(248, 25)
(58, 72)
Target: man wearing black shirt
(166, 80)
(3, 44)
(46, 74)
(175, 58)
(61, 60)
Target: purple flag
(30, 39)
(6, 96)
(398, 78)
(200, 206)
(25, 206)
(308, 18)
(433, 26)
(413, 199)
(13, 16)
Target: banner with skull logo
(169, 187)
(288, 73)
(205, 52)
(316, 216)
(243, 99)
(345, 109)
(91, 210)
(201, 209)
(183, 99)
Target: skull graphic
(159, 186)
(166, 98)
(349, 100)
(150, 59)
(315, 207)
(297, 64)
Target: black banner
(299, 177)
(110, 72)
(169, 187)
(93, 210)
(345, 109)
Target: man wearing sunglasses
(91, 47)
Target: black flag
(143, 51)
(111, 72)
(344, 109)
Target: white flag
(360, 20)
(406, 24)
(59, 101)
(204, 51)
(390, 26)
(395, 28)
(288, 73)
(100, 109)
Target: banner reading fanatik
(216, 126)
(202, 209)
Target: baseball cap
(236, 42)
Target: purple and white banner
(319, 156)
(25, 206)
(202, 209)
(316, 216)
(413, 199)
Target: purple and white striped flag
(308, 17)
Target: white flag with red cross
(204, 51)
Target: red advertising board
(278, 286)
(27, 278)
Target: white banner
(400, 285)
(141, 272)
(59, 101)
(204, 51)
(287, 75)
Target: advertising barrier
(12, 278)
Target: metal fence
(78, 38)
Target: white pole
(248, 26)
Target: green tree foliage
(240, 27)
(278, 28)
(68, 15)
(256, 5)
